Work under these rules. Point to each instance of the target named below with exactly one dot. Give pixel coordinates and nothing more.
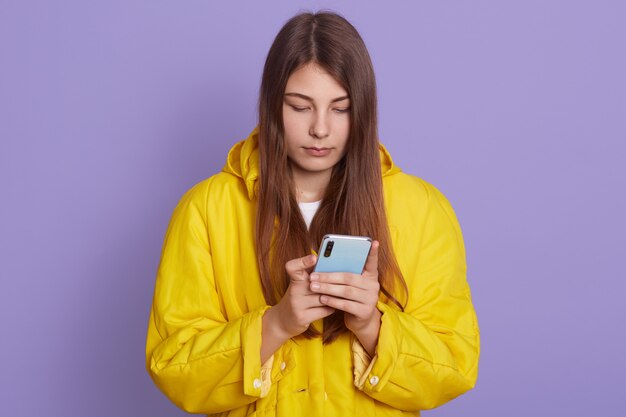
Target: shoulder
(209, 187)
(412, 189)
(214, 190)
(411, 200)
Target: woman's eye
(296, 108)
(344, 110)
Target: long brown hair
(353, 201)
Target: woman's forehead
(312, 82)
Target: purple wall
(110, 111)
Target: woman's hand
(356, 295)
(299, 306)
(296, 310)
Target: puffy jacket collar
(243, 161)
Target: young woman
(241, 326)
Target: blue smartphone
(343, 253)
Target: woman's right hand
(299, 307)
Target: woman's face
(316, 116)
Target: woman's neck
(310, 186)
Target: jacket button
(283, 365)
(256, 383)
(374, 380)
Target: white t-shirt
(308, 211)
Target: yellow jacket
(204, 334)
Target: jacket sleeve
(201, 361)
(428, 354)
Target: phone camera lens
(329, 249)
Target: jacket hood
(243, 161)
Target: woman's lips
(317, 151)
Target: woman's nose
(320, 128)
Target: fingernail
(315, 286)
(315, 277)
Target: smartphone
(343, 253)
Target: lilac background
(109, 111)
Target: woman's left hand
(356, 295)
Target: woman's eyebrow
(310, 99)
